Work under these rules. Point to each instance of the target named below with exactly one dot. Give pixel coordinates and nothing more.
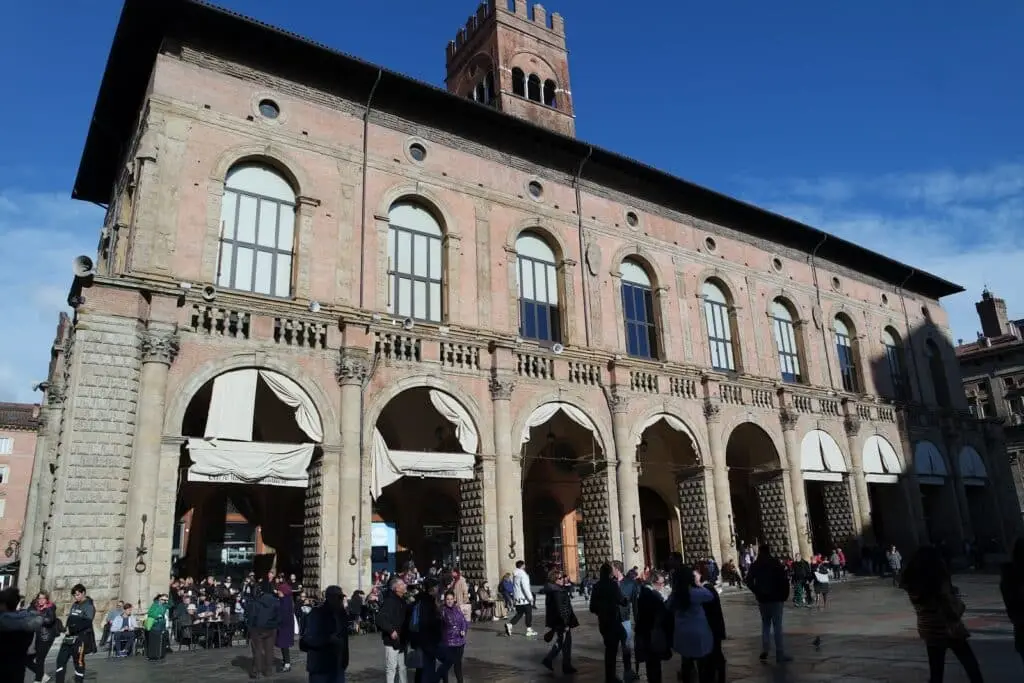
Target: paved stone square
(867, 636)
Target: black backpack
(264, 613)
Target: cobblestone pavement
(867, 636)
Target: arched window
(844, 351)
(719, 322)
(480, 93)
(894, 359)
(489, 87)
(518, 82)
(538, 290)
(533, 88)
(785, 341)
(937, 370)
(638, 311)
(414, 263)
(257, 231)
(549, 94)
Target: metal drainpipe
(817, 294)
(909, 344)
(362, 207)
(583, 256)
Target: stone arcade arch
(564, 465)
(829, 521)
(758, 489)
(249, 480)
(891, 514)
(982, 507)
(937, 503)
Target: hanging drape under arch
(545, 412)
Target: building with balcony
(377, 321)
(992, 368)
(18, 425)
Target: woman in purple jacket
(454, 638)
(285, 623)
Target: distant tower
(992, 313)
(516, 61)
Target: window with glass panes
(414, 263)
(938, 373)
(894, 360)
(638, 311)
(844, 351)
(538, 290)
(257, 232)
(785, 341)
(719, 322)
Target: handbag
(414, 658)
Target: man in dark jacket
(767, 580)
(325, 640)
(801, 582)
(262, 618)
(653, 629)
(612, 609)
(80, 639)
(17, 629)
(426, 630)
(560, 618)
(393, 622)
(716, 621)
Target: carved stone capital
(788, 417)
(501, 388)
(618, 402)
(353, 366)
(160, 347)
(852, 425)
(712, 411)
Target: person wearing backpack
(262, 618)
(325, 640)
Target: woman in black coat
(559, 619)
(46, 634)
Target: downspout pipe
(583, 256)
(362, 207)
(817, 294)
(909, 345)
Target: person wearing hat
(325, 640)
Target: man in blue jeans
(768, 581)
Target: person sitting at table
(122, 632)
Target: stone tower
(514, 60)
(992, 313)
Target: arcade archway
(757, 489)
(827, 489)
(245, 472)
(891, 518)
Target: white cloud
(964, 227)
(41, 233)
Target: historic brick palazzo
(340, 318)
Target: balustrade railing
(643, 382)
(392, 346)
(535, 366)
(460, 356)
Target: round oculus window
(269, 109)
(777, 264)
(710, 244)
(535, 189)
(632, 220)
(885, 299)
(836, 284)
(417, 151)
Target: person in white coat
(523, 600)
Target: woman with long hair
(1011, 585)
(46, 634)
(939, 613)
(692, 636)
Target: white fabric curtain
(453, 411)
(545, 412)
(674, 423)
(389, 466)
(232, 405)
(382, 470)
(293, 396)
(246, 462)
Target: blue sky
(893, 126)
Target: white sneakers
(530, 633)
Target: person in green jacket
(156, 627)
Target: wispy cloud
(967, 227)
(41, 233)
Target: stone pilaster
(789, 419)
(353, 480)
(38, 504)
(164, 518)
(159, 349)
(626, 481)
(720, 481)
(508, 477)
(953, 442)
(861, 499)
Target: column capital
(353, 366)
(788, 417)
(501, 387)
(851, 424)
(712, 411)
(618, 402)
(160, 347)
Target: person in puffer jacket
(559, 619)
(17, 630)
(80, 639)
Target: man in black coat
(612, 609)
(325, 640)
(560, 618)
(17, 630)
(393, 622)
(80, 639)
(768, 581)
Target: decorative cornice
(712, 410)
(788, 417)
(852, 425)
(501, 388)
(353, 366)
(160, 347)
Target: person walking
(939, 613)
(18, 628)
(426, 631)
(1011, 585)
(262, 618)
(325, 639)
(454, 639)
(560, 619)
(523, 601)
(692, 638)
(895, 561)
(393, 623)
(653, 628)
(286, 623)
(611, 608)
(80, 640)
(715, 668)
(767, 581)
(46, 634)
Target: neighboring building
(18, 425)
(481, 340)
(993, 374)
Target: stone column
(39, 493)
(508, 479)
(861, 499)
(159, 349)
(353, 369)
(789, 419)
(626, 483)
(720, 482)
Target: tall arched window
(785, 341)
(549, 93)
(533, 88)
(719, 322)
(894, 358)
(937, 370)
(638, 311)
(489, 87)
(257, 231)
(538, 290)
(518, 82)
(844, 352)
(414, 263)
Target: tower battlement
(553, 23)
